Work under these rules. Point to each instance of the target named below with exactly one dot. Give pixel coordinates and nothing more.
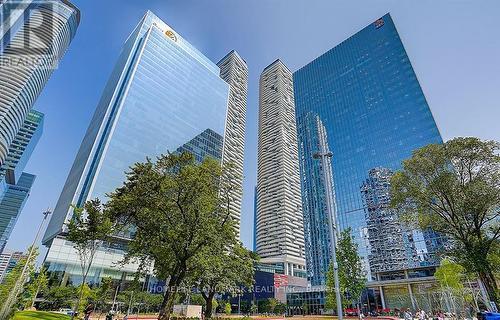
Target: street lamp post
(324, 155)
(239, 301)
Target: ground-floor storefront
(389, 296)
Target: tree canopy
(454, 188)
(88, 228)
(14, 282)
(352, 279)
(223, 268)
(176, 208)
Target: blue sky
(454, 47)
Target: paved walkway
(154, 317)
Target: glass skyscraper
(316, 233)
(8, 261)
(206, 144)
(162, 95)
(365, 93)
(13, 199)
(22, 146)
(15, 185)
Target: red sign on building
(379, 23)
(280, 280)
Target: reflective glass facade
(368, 98)
(12, 201)
(393, 244)
(316, 233)
(162, 95)
(8, 261)
(206, 144)
(22, 146)
(15, 185)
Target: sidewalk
(153, 317)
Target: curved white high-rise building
(234, 70)
(34, 36)
(279, 222)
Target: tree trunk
(169, 297)
(485, 273)
(75, 309)
(209, 298)
(490, 284)
(85, 273)
(167, 304)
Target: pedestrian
(422, 315)
(109, 316)
(407, 315)
(88, 311)
(440, 315)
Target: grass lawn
(32, 315)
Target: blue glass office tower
(314, 206)
(22, 146)
(207, 144)
(162, 94)
(367, 96)
(11, 204)
(15, 185)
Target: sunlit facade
(279, 221)
(15, 184)
(162, 95)
(314, 207)
(22, 146)
(234, 70)
(12, 201)
(368, 98)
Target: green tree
(454, 188)
(128, 299)
(227, 308)
(263, 306)
(352, 279)
(272, 304)
(197, 299)
(103, 292)
(58, 297)
(13, 285)
(150, 302)
(305, 307)
(85, 296)
(88, 228)
(224, 268)
(175, 208)
(253, 308)
(38, 284)
(215, 304)
(450, 277)
(280, 308)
